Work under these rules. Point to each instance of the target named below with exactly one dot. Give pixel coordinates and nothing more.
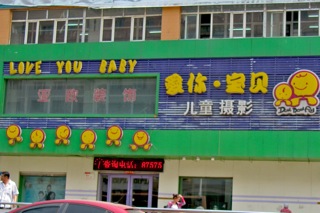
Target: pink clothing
(285, 210)
(181, 203)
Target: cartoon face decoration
(283, 93)
(114, 135)
(14, 134)
(299, 95)
(37, 137)
(141, 139)
(63, 133)
(304, 83)
(88, 139)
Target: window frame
(102, 17)
(156, 76)
(267, 9)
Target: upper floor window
(85, 25)
(238, 21)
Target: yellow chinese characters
(197, 84)
(173, 84)
(236, 83)
(259, 82)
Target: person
(41, 196)
(51, 196)
(47, 196)
(177, 202)
(8, 191)
(285, 209)
(28, 192)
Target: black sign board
(128, 164)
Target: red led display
(128, 164)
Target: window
(82, 96)
(85, 25)
(210, 193)
(310, 23)
(274, 24)
(74, 30)
(254, 25)
(107, 30)
(43, 209)
(153, 28)
(41, 187)
(237, 27)
(189, 26)
(122, 29)
(292, 23)
(220, 25)
(92, 30)
(205, 22)
(17, 32)
(137, 28)
(32, 32)
(237, 21)
(72, 208)
(45, 32)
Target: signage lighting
(128, 164)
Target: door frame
(130, 181)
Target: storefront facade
(229, 123)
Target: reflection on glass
(209, 193)
(274, 24)
(32, 30)
(74, 30)
(188, 26)
(309, 23)
(107, 30)
(61, 29)
(119, 190)
(153, 28)
(137, 28)
(45, 32)
(140, 189)
(122, 29)
(92, 31)
(238, 25)
(17, 32)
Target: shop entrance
(132, 190)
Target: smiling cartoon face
(37, 136)
(140, 138)
(304, 83)
(283, 92)
(88, 136)
(63, 132)
(114, 132)
(13, 131)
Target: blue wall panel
(171, 108)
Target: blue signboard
(208, 93)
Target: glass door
(132, 190)
(118, 190)
(141, 191)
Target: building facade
(132, 102)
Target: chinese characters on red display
(128, 164)
(99, 95)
